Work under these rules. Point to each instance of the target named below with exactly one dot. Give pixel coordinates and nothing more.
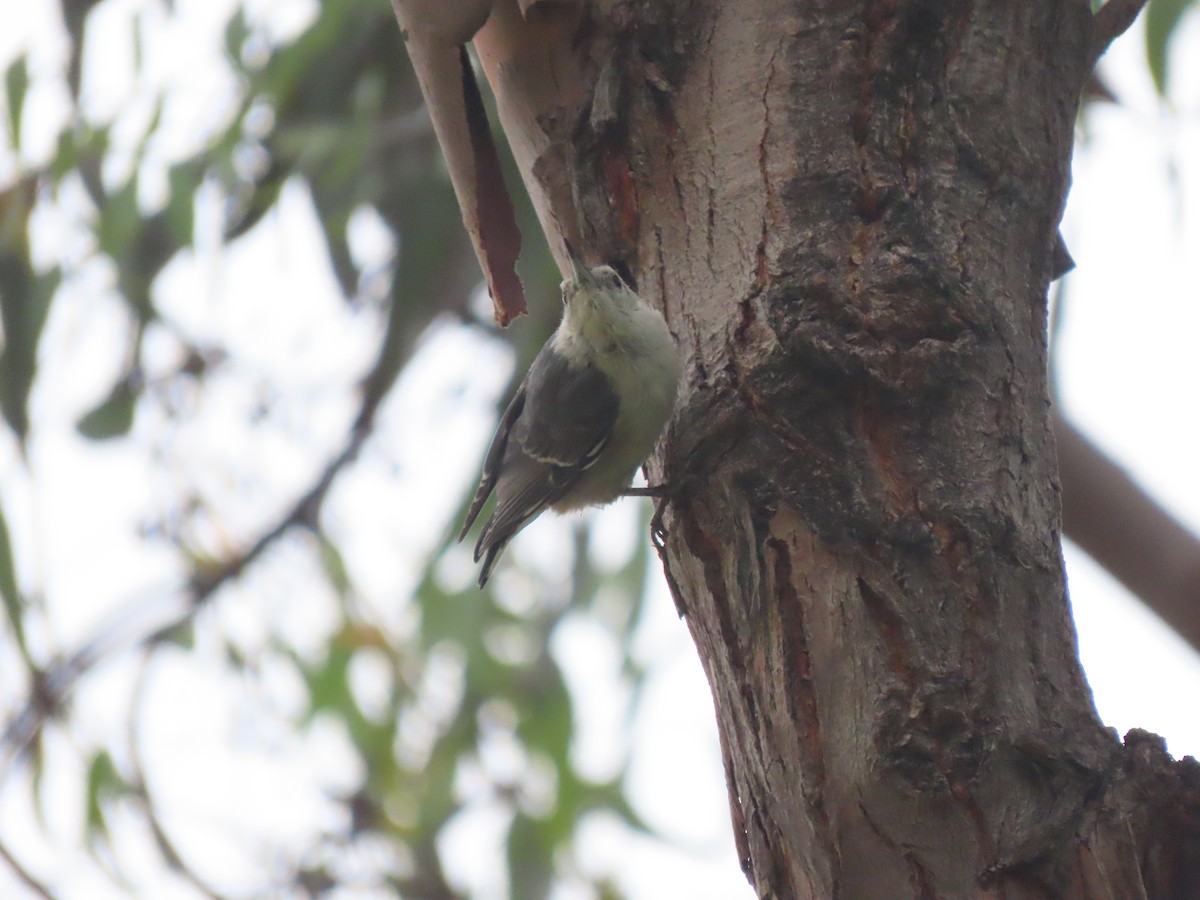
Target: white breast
(640, 359)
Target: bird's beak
(579, 269)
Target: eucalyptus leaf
(113, 416)
(9, 592)
(104, 783)
(1162, 22)
(16, 84)
(24, 304)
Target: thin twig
(58, 681)
(24, 874)
(141, 789)
(54, 685)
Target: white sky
(1128, 364)
(1129, 373)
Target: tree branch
(1125, 531)
(58, 681)
(25, 876)
(54, 685)
(142, 790)
(1110, 22)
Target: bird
(585, 417)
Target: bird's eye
(615, 280)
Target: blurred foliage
(337, 109)
(1162, 24)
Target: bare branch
(1129, 534)
(142, 790)
(54, 685)
(24, 874)
(60, 679)
(1111, 21)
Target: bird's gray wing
(495, 457)
(569, 411)
(562, 425)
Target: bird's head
(599, 287)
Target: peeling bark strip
(848, 212)
(493, 216)
(434, 34)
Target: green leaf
(103, 784)
(183, 179)
(139, 51)
(18, 362)
(81, 150)
(113, 417)
(335, 567)
(329, 682)
(13, 605)
(547, 720)
(530, 858)
(66, 156)
(1162, 20)
(236, 33)
(16, 84)
(35, 757)
(140, 262)
(120, 219)
(261, 200)
(24, 303)
(182, 635)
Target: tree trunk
(847, 213)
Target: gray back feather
(553, 430)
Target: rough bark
(847, 212)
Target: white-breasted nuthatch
(587, 414)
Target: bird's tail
(490, 555)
